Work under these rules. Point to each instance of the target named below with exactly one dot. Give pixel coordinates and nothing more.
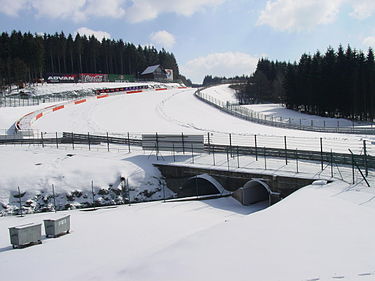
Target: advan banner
(61, 78)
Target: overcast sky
(217, 37)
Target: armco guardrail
(247, 114)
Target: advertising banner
(169, 73)
(93, 77)
(120, 78)
(61, 78)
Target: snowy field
(321, 232)
(317, 233)
(176, 111)
(277, 111)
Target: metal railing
(288, 123)
(322, 150)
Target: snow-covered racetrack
(171, 111)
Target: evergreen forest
(336, 84)
(25, 57)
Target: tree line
(337, 83)
(26, 57)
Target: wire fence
(319, 150)
(289, 123)
(225, 152)
(18, 101)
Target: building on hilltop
(154, 72)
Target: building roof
(150, 69)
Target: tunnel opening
(254, 191)
(200, 185)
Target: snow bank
(72, 173)
(314, 234)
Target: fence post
(174, 156)
(157, 146)
(41, 136)
(256, 148)
(227, 158)
(238, 157)
(297, 160)
(20, 201)
(353, 168)
(93, 194)
(365, 157)
(321, 153)
(230, 144)
(54, 197)
(57, 143)
(183, 143)
(88, 140)
(107, 142)
(129, 143)
(196, 186)
(286, 151)
(213, 155)
(73, 140)
(208, 140)
(331, 164)
(192, 153)
(265, 158)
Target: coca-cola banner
(92, 77)
(61, 78)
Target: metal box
(27, 234)
(56, 227)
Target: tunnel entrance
(254, 191)
(201, 185)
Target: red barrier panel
(38, 116)
(134, 92)
(182, 87)
(79, 101)
(103, 96)
(161, 89)
(58, 108)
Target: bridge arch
(202, 185)
(253, 191)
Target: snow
(314, 233)
(35, 170)
(178, 110)
(321, 232)
(279, 113)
